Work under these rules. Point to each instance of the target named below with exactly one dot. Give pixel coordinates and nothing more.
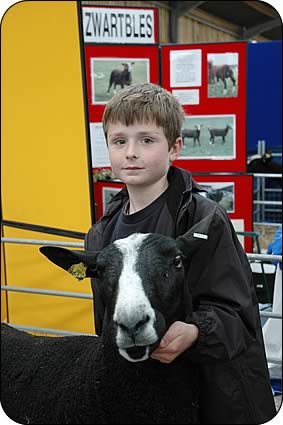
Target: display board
(106, 68)
(234, 192)
(110, 66)
(103, 193)
(210, 82)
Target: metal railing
(267, 200)
(267, 197)
(251, 257)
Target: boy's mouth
(133, 168)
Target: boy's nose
(131, 152)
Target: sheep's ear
(80, 264)
(196, 236)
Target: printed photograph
(222, 192)
(107, 195)
(209, 137)
(110, 75)
(222, 74)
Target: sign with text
(120, 25)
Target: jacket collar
(189, 184)
(180, 180)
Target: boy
(142, 126)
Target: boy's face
(139, 153)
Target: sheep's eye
(178, 263)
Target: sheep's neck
(141, 196)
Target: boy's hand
(179, 337)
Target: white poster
(185, 68)
(239, 226)
(117, 25)
(187, 97)
(99, 150)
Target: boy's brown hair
(146, 103)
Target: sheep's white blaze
(132, 304)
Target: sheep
(122, 78)
(266, 164)
(263, 164)
(218, 132)
(215, 195)
(111, 378)
(192, 134)
(221, 73)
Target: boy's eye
(119, 142)
(147, 141)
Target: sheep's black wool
(84, 380)
(111, 379)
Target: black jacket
(235, 385)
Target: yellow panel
(4, 310)
(28, 268)
(44, 156)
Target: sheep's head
(141, 279)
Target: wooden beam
(259, 29)
(173, 21)
(185, 7)
(262, 8)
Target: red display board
(210, 82)
(233, 192)
(120, 48)
(101, 60)
(103, 192)
(104, 65)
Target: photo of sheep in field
(107, 195)
(209, 137)
(221, 192)
(108, 76)
(222, 74)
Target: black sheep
(265, 164)
(121, 78)
(110, 379)
(192, 134)
(218, 132)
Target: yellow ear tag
(78, 270)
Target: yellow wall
(44, 155)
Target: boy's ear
(176, 149)
(196, 236)
(80, 264)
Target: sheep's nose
(131, 329)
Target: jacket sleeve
(224, 300)
(92, 242)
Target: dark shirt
(143, 221)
